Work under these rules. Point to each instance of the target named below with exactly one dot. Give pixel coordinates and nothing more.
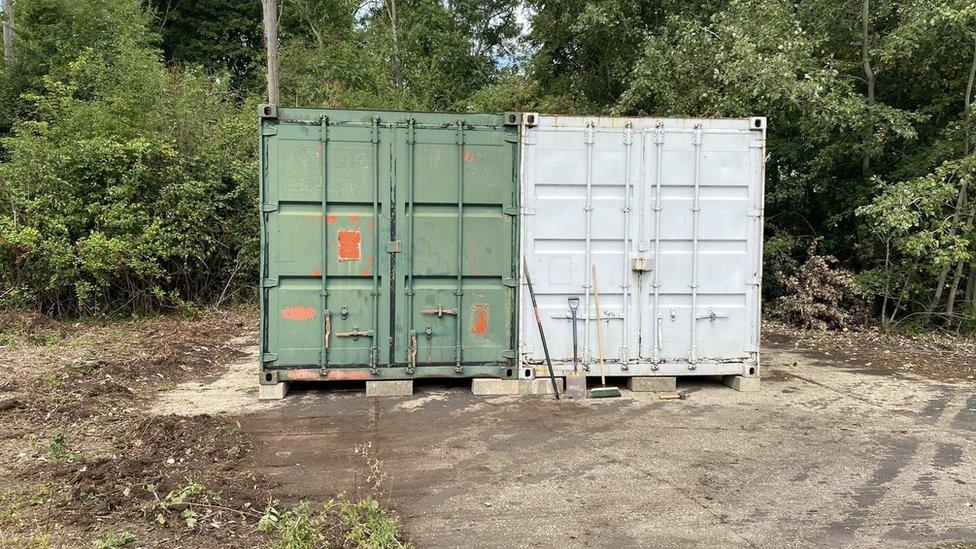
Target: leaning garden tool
(573, 307)
(602, 391)
(542, 333)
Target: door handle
(440, 311)
(356, 333)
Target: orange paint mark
(318, 149)
(350, 245)
(477, 273)
(470, 156)
(354, 218)
(479, 320)
(366, 272)
(330, 219)
(369, 260)
(298, 312)
(317, 272)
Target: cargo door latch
(356, 333)
(440, 311)
(710, 315)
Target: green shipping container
(389, 244)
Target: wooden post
(271, 47)
(8, 32)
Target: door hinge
(509, 282)
(509, 353)
(268, 208)
(269, 282)
(324, 129)
(755, 213)
(269, 130)
(512, 210)
(269, 357)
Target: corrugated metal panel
(388, 244)
(670, 213)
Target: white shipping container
(670, 211)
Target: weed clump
(362, 524)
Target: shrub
(131, 188)
(820, 294)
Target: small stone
(170, 461)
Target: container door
(326, 205)
(456, 219)
(702, 190)
(579, 187)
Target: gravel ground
(831, 452)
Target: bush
(820, 295)
(130, 188)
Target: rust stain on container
(479, 319)
(317, 272)
(366, 271)
(350, 245)
(309, 374)
(354, 218)
(330, 219)
(470, 156)
(298, 312)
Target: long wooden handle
(599, 330)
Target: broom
(602, 391)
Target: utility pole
(270, 47)
(8, 32)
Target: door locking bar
(440, 311)
(711, 316)
(356, 333)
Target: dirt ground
(844, 445)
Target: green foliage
(149, 206)
(297, 528)
(186, 501)
(59, 447)
(222, 36)
(919, 232)
(409, 54)
(114, 540)
(369, 527)
(127, 146)
(362, 524)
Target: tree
(222, 36)
(8, 32)
(271, 48)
